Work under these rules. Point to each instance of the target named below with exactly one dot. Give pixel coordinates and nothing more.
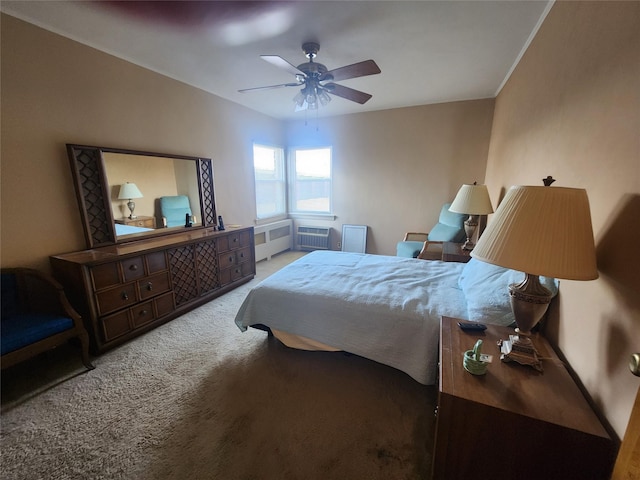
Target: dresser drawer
(144, 222)
(232, 274)
(115, 325)
(118, 324)
(133, 268)
(116, 298)
(156, 262)
(243, 255)
(228, 242)
(108, 275)
(164, 304)
(154, 285)
(231, 258)
(142, 314)
(226, 260)
(104, 276)
(233, 241)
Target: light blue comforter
(383, 308)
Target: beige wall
(56, 91)
(394, 169)
(572, 110)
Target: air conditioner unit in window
(313, 238)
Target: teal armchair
(174, 209)
(450, 228)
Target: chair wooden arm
(431, 251)
(415, 237)
(40, 294)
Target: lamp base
(470, 225)
(468, 245)
(131, 205)
(520, 349)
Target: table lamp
(129, 191)
(538, 230)
(472, 200)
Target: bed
(129, 229)
(383, 308)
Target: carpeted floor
(198, 399)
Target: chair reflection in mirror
(174, 210)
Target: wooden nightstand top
(453, 252)
(129, 221)
(445, 251)
(551, 396)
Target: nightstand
(140, 221)
(453, 252)
(445, 251)
(513, 422)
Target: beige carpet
(198, 399)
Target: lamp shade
(542, 231)
(129, 190)
(472, 200)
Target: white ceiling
(428, 51)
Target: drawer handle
(242, 255)
(235, 240)
(237, 270)
(143, 313)
(133, 268)
(149, 286)
(230, 259)
(125, 296)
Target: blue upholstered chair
(174, 209)
(450, 228)
(36, 316)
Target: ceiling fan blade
(360, 69)
(348, 93)
(282, 63)
(268, 87)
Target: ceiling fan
(317, 82)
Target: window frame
(282, 180)
(292, 182)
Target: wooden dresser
(513, 422)
(124, 290)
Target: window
(268, 166)
(310, 180)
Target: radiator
(273, 238)
(314, 238)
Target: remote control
(472, 327)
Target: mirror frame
(92, 192)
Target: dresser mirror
(99, 175)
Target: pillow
(486, 289)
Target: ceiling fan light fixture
(324, 98)
(312, 101)
(299, 99)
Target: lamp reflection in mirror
(129, 191)
(472, 200)
(539, 231)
